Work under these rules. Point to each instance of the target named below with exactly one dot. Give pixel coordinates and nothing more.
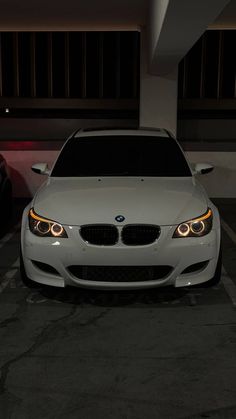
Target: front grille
(120, 273)
(131, 234)
(139, 234)
(99, 234)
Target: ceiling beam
(174, 27)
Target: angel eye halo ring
(44, 227)
(196, 227)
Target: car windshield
(116, 155)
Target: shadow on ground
(14, 219)
(79, 296)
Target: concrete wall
(221, 183)
(212, 141)
(207, 129)
(53, 128)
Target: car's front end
(118, 235)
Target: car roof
(91, 132)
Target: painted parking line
(229, 286)
(9, 275)
(9, 236)
(229, 231)
(15, 267)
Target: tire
(217, 276)
(8, 205)
(6, 208)
(25, 279)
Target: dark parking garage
(160, 352)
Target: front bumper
(177, 253)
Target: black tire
(25, 279)
(7, 202)
(6, 208)
(216, 278)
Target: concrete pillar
(172, 28)
(158, 95)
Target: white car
(121, 209)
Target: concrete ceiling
(75, 15)
(174, 27)
(227, 18)
(30, 15)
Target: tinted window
(121, 156)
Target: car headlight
(43, 227)
(195, 228)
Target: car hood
(162, 201)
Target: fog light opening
(196, 267)
(45, 267)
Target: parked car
(121, 209)
(5, 195)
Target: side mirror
(202, 168)
(41, 168)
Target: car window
(121, 156)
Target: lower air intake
(45, 267)
(120, 273)
(195, 267)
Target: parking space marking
(15, 267)
(9, 275)
(192, 298)
(9, 236)
(35, 298)
(229, 286)
(16, 264)
(229, 231)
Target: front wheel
(6, 208)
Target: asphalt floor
(79, 354)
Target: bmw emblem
(120, 218)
